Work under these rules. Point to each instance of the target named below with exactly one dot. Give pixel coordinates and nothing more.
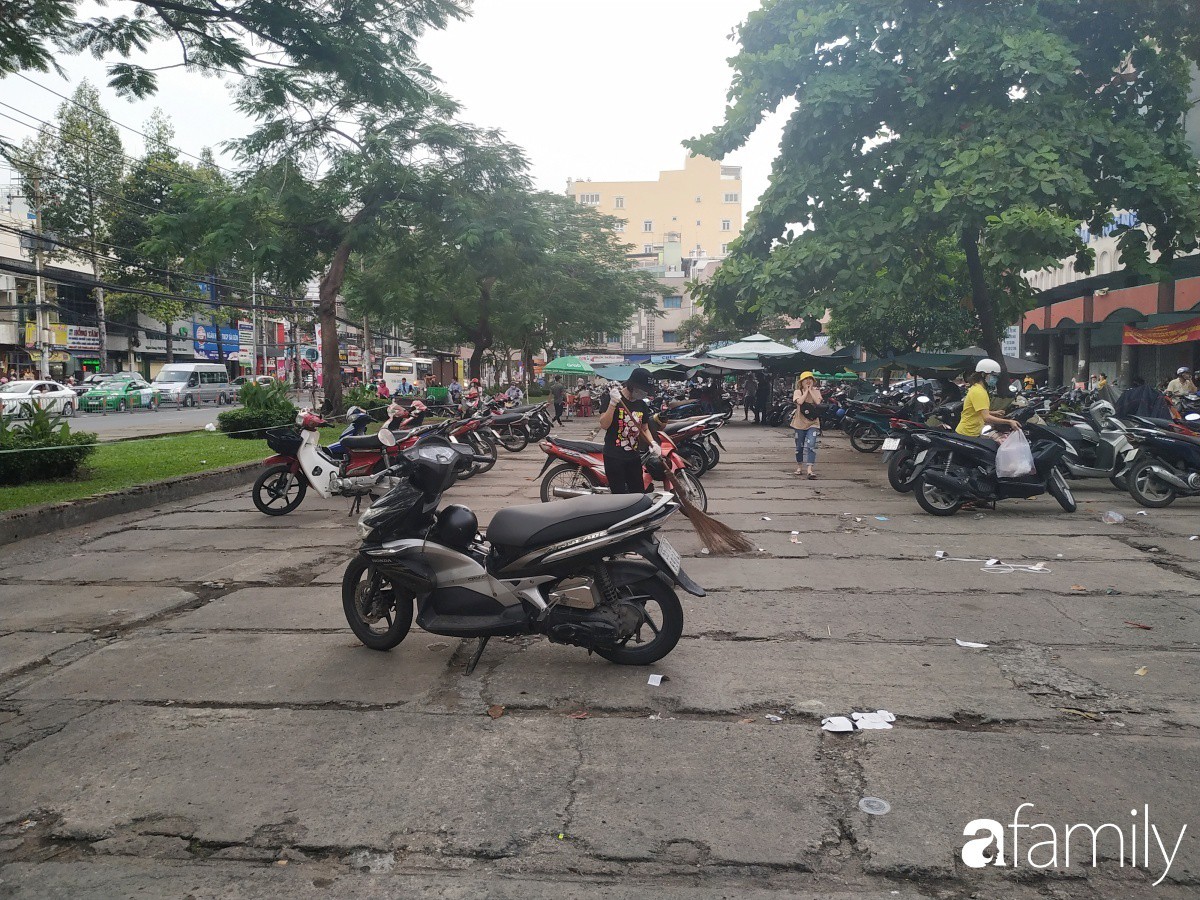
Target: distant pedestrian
(762, 399)
(559, 393)
(806, 423)
(404, 387)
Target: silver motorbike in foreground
(590, 572)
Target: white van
(187, 384)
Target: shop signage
(1178, 333)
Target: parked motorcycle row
(1073, 436)
(588, 571)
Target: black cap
(639, 378)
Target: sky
(601, 89)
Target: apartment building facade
(673, 227)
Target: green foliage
(264, 406)
(46, 447)
(996, 126)
(363, 46)
(366, 397)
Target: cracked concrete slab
(937, 782)
(1171, 678)
(241, 668)
(32, 607)
(734, 677)
(218, 539)
(22, 649)
(269, 609)
(376, 779)
(180, 566)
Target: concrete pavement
(183, 710)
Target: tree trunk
(985, 309)
(170, 342)
(297, 378)
(366, 352)
(481, 333)
(331, 285)
(101, 318)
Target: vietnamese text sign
(1179, 333)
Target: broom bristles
(719, 538)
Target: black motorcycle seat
(1070, 434)
(361, 442)
(986, 443)
(523, 409)
(546, 523)
(580, 446)
(507, 418)
(681, 424)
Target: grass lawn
(122, 464)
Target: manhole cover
(874, 806)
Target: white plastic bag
(1014, 458)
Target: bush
(365, 396)
(263, 406)
(252, 423)
(49, 449)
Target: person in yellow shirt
(977, 405)
(1030, 384)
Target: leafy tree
(365, 46)
(1000, 126)
(72, 169)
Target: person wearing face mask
(625, 418)
(977, 405)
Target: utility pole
(366, 353)
(39, 331)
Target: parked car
(194, 382)
(120, 393)
(257, 379)
(47, 394)
(88, 382)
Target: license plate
(668, 555)
(891, 443)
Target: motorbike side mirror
(386, 437)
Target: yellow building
(702, 203)
(675, 226)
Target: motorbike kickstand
(474, 661)
(355, 505)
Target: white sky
(602, 89)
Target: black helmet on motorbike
(655, 466)
(457, 526)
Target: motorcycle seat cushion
(541, 524)
(680, 424)
(361, 442)
(507, 418)
(986, 443)
(580, 446)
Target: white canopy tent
(753, 347)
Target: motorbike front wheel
(866, 438)
(277, 491)
(695, 457)
(566, 476)
(1060, 490)
(714, 455)
(482, 445)
(661, 626)
(378, 614)
(1148, 489)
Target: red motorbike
(473, 432)
(580, 470)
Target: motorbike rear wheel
(689, 486)
(277, 491)
(695, 457)
(900, 472)
(866, 438)
(569, 476)
(1148, 489)
(935, 500)
(378, 614)
(663, 619)
(1060, 490)
(513, 438)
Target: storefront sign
(1178, 333)
(245, 342)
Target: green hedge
(47, 447)
(252, 423)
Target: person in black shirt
(559, 393)
(626, 419)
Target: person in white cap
(1181, 385)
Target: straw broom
(719, 538)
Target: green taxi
(121, 392)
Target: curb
(51, 517)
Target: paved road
(184, 712)
(167, 419)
